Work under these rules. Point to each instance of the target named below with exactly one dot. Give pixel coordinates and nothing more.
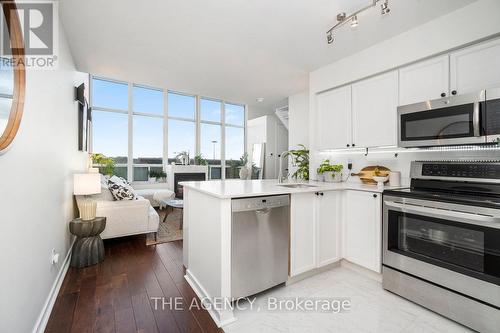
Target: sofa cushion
(120, 190)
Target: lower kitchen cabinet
(362, 229)
(315, 230)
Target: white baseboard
(220, 318)
(44, 316)
(361, 270)
(312, 272)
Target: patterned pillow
(120, 190)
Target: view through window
(144, 128)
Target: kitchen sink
(297, 185)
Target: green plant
(199, 160)
(300, 159)
(106, 164)
(325, 166)
(244, 159)
(159, 174)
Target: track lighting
(385, 7)
(329, 37)
(343, 18)
(354, 21)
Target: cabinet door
(363, 229)
(374, 111)
(302, 233)
(328, 225)
(476, 67)
(333, 118)
(424, 81)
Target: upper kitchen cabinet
(374, 111)
(423, 81)
(475, 68)
(333, 119)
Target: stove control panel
(461, 170)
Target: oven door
(446, 121)
(454, 246)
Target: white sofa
(124, 217)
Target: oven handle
(470, 218)
(476, 119)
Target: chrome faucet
(280, 171)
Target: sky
(110, 129)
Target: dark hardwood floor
(116, 295)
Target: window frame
(166, 117)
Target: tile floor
(372, 309)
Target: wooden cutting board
(366, 174)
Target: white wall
(256, 112)
(298, 125)
(438, 36)
(36, 192)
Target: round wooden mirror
(12, 75)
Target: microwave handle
(476, 119)
(482, 220)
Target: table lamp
(87, 184)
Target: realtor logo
(39, 27)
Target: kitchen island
(315, 231)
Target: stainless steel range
(441, 240)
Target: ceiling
(237, 50)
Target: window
(147, 108)
(235, 138)
(181, 125)
(110, 138)
(109, 95)
(210, 135)
(205, 126)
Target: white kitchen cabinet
(315, 230)
(423, 81)
(475, 68)
(362, 229)
(327, 218)
(333, 119)
(374, 111)
(302, 233)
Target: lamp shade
(86, 183)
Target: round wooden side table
(88, 248)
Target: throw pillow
(120, 190)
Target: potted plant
(331, 172)
(153, 175)
(300, 159)
(161, 176)
(244, 170)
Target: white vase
(152, 179)
(243, 173)
(333, 177)
(321, 177)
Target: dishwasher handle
(259, 203)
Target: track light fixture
(354, 21)
(385, 7)
(342, 18)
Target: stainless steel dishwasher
(259, 243)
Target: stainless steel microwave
(456, 120)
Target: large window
(143, 129)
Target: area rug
(169, 231)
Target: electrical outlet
(349, 165)
(54, 257)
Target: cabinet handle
(321, 193)
(348, 145)
(317, 193)
(443, 94)
(375, 195)
(353, 145)
(454, 92)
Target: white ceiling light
(342, 18)
(259, 99)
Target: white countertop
(226, 189)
